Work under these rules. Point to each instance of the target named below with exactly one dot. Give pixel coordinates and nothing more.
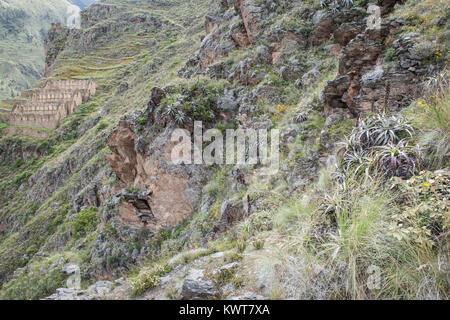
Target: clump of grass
(218, 184)
(432, 116)
(149, 278)
(196, 254)
(258, 243)
(241, 245)
(350, 248)
(85, 221)
(102, 125)
(389, 54)
(22, 177)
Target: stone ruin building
(46, 107)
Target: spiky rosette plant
(399, 160)
(335, 5)
(380, 130)
(379, 144)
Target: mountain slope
(357, 210)
(23, 28)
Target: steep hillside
(23, 28)
(357, 209)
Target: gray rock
(70, 268)
(262, 52)
(122, 87)
(195, 287)
(67, 294)
(312, 74)
(206, 204)
(373, 78)
(233, 210)
(100, 288)
(227, 101)
(229, 267)
(336, 116)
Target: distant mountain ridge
(83, 3)
(23, 28)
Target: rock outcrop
(251, 15)
(166, 194)
(367, 81)
(196, 287)
(54, 43)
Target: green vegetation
(25, 25)
(366, 218)
(85, 221)
(148, 278)
(389, 54)
(33, 287)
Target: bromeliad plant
(379, 145)
(399, 160)
(336, 5)
(380, 130)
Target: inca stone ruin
(46, 107)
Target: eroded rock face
(366, 83)
(288, 45)
(387, 6)
(232, 211)
(220, 41)
(214, 46)
(350, 21)
(96, 13)
(251, 15)
(54, 43)
(172, 190)
(123, 160)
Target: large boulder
(251, 14)
(195, 287)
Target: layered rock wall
(168, 193)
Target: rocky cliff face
(106, 198)
(171, 193)
(54, 43)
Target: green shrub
(432, 116)
(102, 125)
(85, 221)
(19, 179)
(149, 278)
(217, 186)
(142, 120)
(19, 162)
(258, 243)
(133, 190)
(32, 286)
(44, 146)
(389, 54)
(399, 160)
(380, 145)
